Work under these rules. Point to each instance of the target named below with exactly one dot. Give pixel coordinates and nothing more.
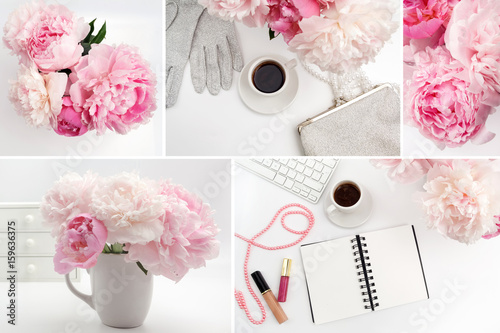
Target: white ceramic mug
(334, 206)
(285, 67)
(121, 292)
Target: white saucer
(268, 104)
(354, 219)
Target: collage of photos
(249, 166)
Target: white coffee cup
(285, 67)
(337, 206)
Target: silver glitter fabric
(214, 54)
(367, 127)
(179, 37)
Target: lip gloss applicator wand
(269, 297)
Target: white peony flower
(131, 208)
(38, 97)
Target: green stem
(142, 267)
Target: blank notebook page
(397, 271)
(332, 280)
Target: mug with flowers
(69, 81)
(160, 226)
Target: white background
(200, 302)
(203, 125)
(137, 23)
(471, 308)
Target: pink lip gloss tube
(285, 276)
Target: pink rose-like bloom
(69, 122)
(49, 35)
(284, 15)
(422, 18)
(404, 171)
(462, 199)
(350, 34)
(113, 88)
(473, 38)
(440, 103)
(188, 240)
(80, 244)
(250, 12)
(71, 195)
(38, 97)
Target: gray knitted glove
(179, 37)
(171, 13)
(214, 54)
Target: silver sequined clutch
(368, 125)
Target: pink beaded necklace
(251, 242)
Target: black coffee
(268, 77)
(347, 195)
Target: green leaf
(89, 35)
(271, 34)
(100, 35)
(106, 249)
(142, 267)
(117, 248)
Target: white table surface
(205, 125)
(135, 23)
(200, 302)
(472, 307)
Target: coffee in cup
(268, 77)
(347, 194)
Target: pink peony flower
(188, 238)
(496, 232)
(350, 34)
(114, 88)
(69, 122)
(284, 15)
(130, 207)
(80, 244)
(404, 171)
(38, 97)
(49, 35)
(251, 12)
(440, 103)
(473, 38)
(70, 196)
(422, 18)
(462, 200)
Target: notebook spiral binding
(364, 272)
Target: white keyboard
(306, 178)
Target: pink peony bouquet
(461, 198)
(336, 35)
(70, 82)
(452, 56)
(162, 227)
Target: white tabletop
(129, 25)
(469, 307)
(205, 125)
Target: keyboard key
(296, 189)
(308, 172)
(324, 178)
(330, 163)
(283, 160)
(292, 164)
(283, 170)
(279, 179)
(292, 174)
(275, 166)
(318, 167)
(300, 168)
(316, 194)
(260, 160)
(312, 197)
(300, 178)
(310, 162)
(304, 194)
(267, 162)
(312, 184)
(326, 169)
(288, 183)
(316, 175)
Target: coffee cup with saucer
(348, 204)
(275, 100)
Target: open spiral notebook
(363, 273)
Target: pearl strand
(240, 298)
